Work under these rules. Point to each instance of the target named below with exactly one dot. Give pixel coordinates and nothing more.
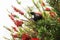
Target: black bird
(36, 16)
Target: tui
(36, 16)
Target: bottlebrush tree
(44, 25)
(56, 5)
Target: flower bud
(12, 18)
(47, 9)
(15, 29)
(18, 22)
(34, 38)
(17, 10)
(52, 14)
(42, 4)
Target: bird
(36, 15)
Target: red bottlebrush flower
(15, 35)
(15, 29)
(13, 15)
(25, 37)
(17, 10)
(20, 12)
(12, 18)
(52, 14)
(34, 38)
(43, 4)
(47, 9)
(18, 23)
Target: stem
(36, 5)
